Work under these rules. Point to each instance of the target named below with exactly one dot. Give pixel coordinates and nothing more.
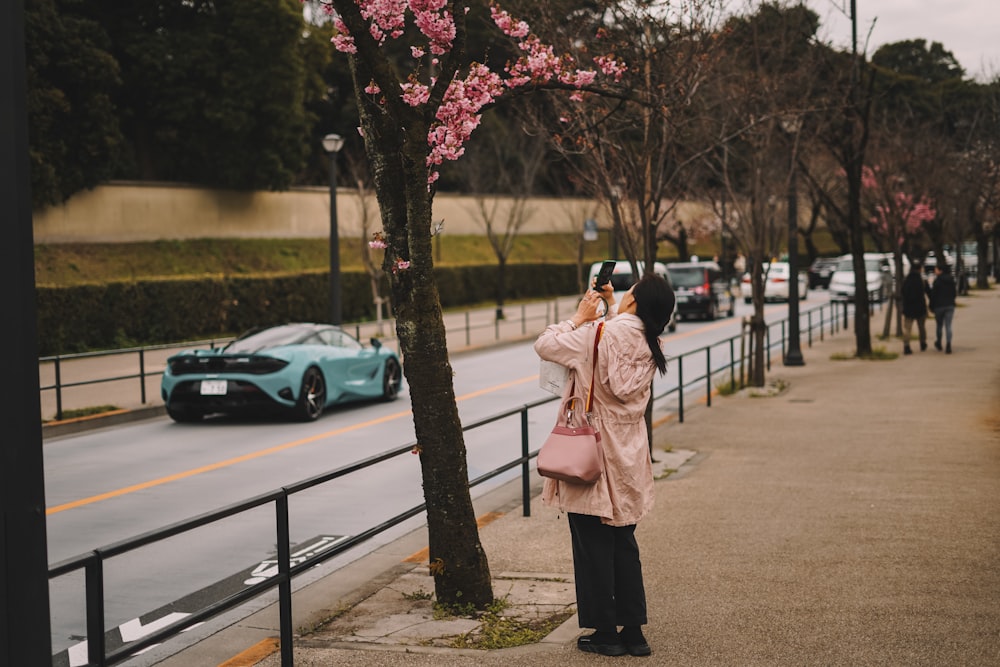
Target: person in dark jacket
(942, 293)
(914, 307)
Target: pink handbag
(572, 452)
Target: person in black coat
(914, 307)
(942, 293)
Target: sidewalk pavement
(852, 519)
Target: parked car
(701, 290)
(878, 276)
(298, 369)
(820, 271)
(931, 261)
(777, 276)
(622, 279)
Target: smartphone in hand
(604, 275)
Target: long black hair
(654, 304)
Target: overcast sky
(970, 29)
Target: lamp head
(332, 143)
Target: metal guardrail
(93, 563)
(461, 325)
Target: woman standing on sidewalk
(603, 516)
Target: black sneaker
(907, 350)
(635, 642)
(947, 350)
(923, 346)
(937, 345)
(602, 643)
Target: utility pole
(25, 637)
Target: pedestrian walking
(610, 593)
(914, 307)
(942, 295)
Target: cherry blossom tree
(417, 112)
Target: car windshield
(776, 270)
(688, 277)
(273, 337)
(871, 265)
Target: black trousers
(609, 588)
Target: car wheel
(183, 416)
(711, 312)
(312, 397)
(392, 378)
(747, 300)
(732, 307)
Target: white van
(622, 279)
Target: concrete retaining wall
(124, 212)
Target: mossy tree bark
(395, 138)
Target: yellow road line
(424, 554)
(289, 445)
(256, 455)
(254, 654)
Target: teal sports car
(297, 369)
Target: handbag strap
(593, 374)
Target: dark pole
(332, 143)
(25, 637)
(793, 356)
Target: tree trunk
(862, 321)
(983, 259)
(397, 152)
(501, 282)
(758, 327)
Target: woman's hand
(593, 305)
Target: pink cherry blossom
(611, 67)
(507, 24)
(460, 111)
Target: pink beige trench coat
(625, 368)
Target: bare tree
(757, 120)
(502, 185)
(634, 152)
(367, 212)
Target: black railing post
(285, 583)
(732, 364)
(809, 319)
(526, 466)
(708, 376)
(767, 345)
(59, 409)
(94, 592)
(680, 389)
(142, 374)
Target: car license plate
(214, 387)
(682, 299)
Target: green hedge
(114, 315)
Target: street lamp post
(793, 356)
(332, 143)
